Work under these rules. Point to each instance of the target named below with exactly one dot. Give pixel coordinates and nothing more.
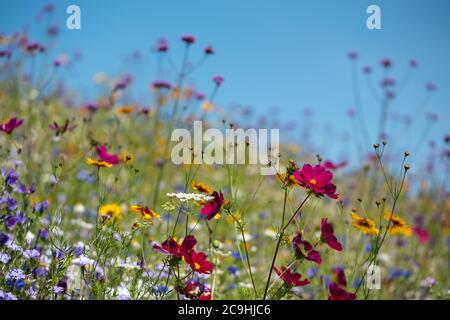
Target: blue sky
(284, 54)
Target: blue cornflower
(233, 270)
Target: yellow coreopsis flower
(98, 163)
(111, 210)
(397, 225)
(145, 213)
(202, 187)
(365, 225)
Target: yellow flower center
(196, 266)
(312, 181)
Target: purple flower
(218, 80)
(11, 204)
(31, 254)
(44, 234)
(352, 55)
(431, 87)
(4, 258)
(24, 190)
(53, 30)
(15, 274)
(39, 272)
(367, 70)
(123, 82)
(58, 254)
(161, 84)
(11, 177)
(40, 207)
(7, 296)
(3, 238)
(11, 222)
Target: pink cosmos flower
(213, 207)
(328, 236)
(338, 293)
(291, 278)
(304, 249)
(10, 125)
(317, 179)
(171, 247)
(102, 152)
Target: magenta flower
(102, 152)
(303, 249)
(413, 63)
(188, 39)
(327, 235)
(171, 247)
(10, 125)
(422, 234)
(339, 274)
(213, 207)
(291, 278)
(337, 293)
(218, 80)
(317, 179)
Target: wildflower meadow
(99, 199)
